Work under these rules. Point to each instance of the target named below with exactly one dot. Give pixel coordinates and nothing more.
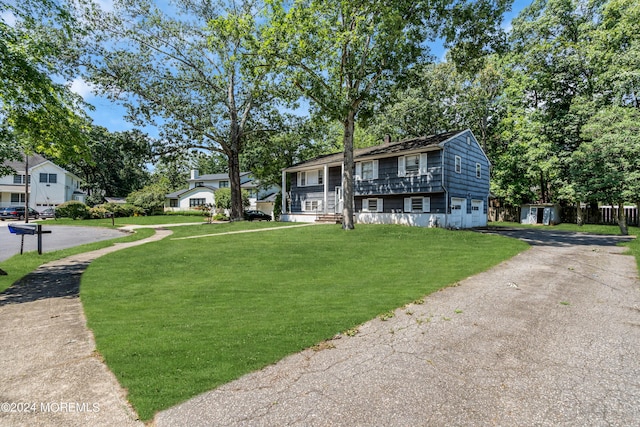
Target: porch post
(284, 193)
(326, 188)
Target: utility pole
(26, 188)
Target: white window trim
(307, 178)
(304, 208)
(426, 204)
(458, 164)
(379, 205)
(422, 168)
(478, 170)
(358, 175)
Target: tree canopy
(343, 55)
(194, 70)
(37, 114)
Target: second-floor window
(19, 179)
(367, 170)
(48, 178)
(478, 170)
(224, 184)
(413, 164)
(307, 178)
(458, 164)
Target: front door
(339, 200)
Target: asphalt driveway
(61, 237)
(550, 337)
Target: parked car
(48, 213)
(259, 215)
(17, 212)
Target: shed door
(458, 210)
(477, 214)
(546, 216)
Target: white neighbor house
(202, 188)
(49, 185)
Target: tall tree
(36, 113)
(193, 68)
(551, 89)
(117, 164)
(342, 54)
(607, 166)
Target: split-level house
(440, 180)
(49, 184)
(202, 188)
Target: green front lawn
(131, 220)
(19, 266)
(178, 317)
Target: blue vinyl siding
(389, 182)
(465, 184)
(395, 204)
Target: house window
(367, 170)
(223, 184)
(173, 203)
(48, 178)
(17, 198)
(458, 164)
(307, 178)
(194, 203)
(199, 184)
(371, 205)
(412, 165)
(478, 170)
(311, 205)
(415, 164)
(417, 204)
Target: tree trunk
(622, 220)
(237, 208)
(579, 217)
(347, 176)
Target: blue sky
(111, 115)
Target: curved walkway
(549, 337)
(50, 374)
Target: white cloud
(82, 88)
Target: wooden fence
(602, 215)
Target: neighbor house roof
(409, 144)
(216, 176)
(18, 165)
(34, 161)
(177, 194)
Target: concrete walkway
(50, 374)
(549, 337)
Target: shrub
(72, 209)
(117, 209)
